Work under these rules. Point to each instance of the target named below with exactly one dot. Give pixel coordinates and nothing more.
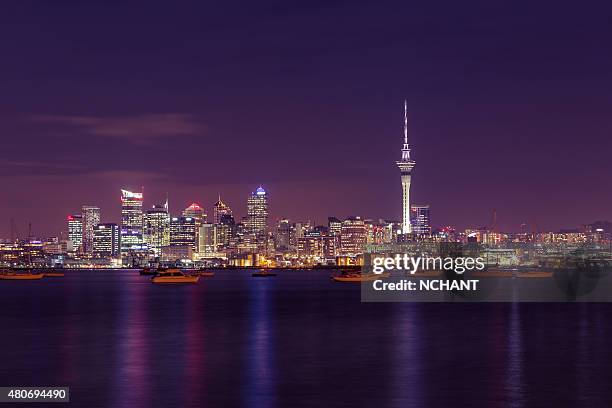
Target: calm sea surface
(297, 340)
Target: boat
(148, 271)
(535, 274)
(356, 277)
(10, 275)
(53, 274)
(206, 274)
(263, 274)
(174, 276)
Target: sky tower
(406, 164)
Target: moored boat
(53, 274)
(356, 277)
(263, 274)
(10, 275)
(174, 276)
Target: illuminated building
(220, 209)
(196, 212)
(90, 218)
(406, 164)
(75, 231)
(207, 240)
(182, 232)
(131, 222)
(420, 219)
(257, 212)
(334, 225)
(284, 235)
(106, 240)
(352, 236)
(157, 228)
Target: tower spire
(405, 122)
(406, 164)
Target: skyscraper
(157, 228)
(220, 209)
(196, 212)
(257, 212)
(91, 218)
(406, 164)
(352, 236)
(182, 232)
(75, 231)
(106, 240)
(131, 221)
(420, 219)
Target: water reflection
(261, 375)
(131, 387)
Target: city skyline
(276, 102)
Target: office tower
(197, 213)
(106, 240)
(406, 164)
(420, 219)
(182, 232)
(220, 209)
(91, 218)
(226, 230)
(207, 240)
(352, 236)
(257, 212)
(284, 235)
(334, 225)
(131, 222)
(157, 228)
(75, 231)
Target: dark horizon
(508, 109)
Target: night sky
(509, 108)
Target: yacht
(174, 276)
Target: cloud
(137, 128)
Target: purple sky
(509, 106)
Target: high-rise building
(106, 240)
(182, 232)
(352, 236)
(420, 219)
(157, 228)
(406, 164)
(207, 243)
(131, 222)
(91, 218)
(220, 209)
(257, 212)
(75, 231)
(196, 212)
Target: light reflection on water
(295, 340)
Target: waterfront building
(183, 232)
(75, 231)
(406, 164)
(257, 212)
(220, 209)
(196, 212)
(352, 236)
(284, 235)
(334, 225)
(207, 240)
(157, 228)
(106, 240)
(420, 219)
(131, 222)
(90, 218)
